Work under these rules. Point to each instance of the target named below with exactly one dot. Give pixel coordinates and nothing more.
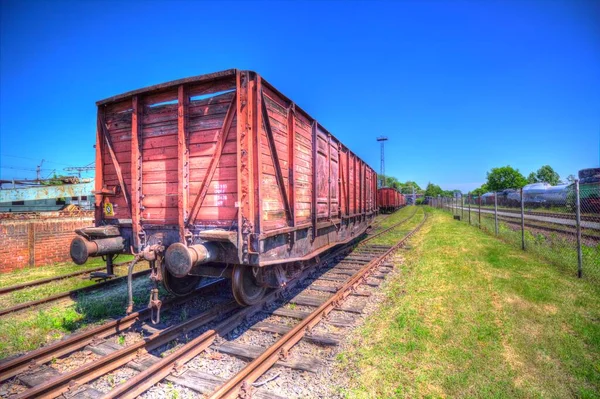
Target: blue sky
(458, 87)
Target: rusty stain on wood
(227, 150)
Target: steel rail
(159, 370)
(281, 347)
(66, 294)
(362, 242)
(377, 223)
(15, 366)
(557, 215)
(64, 382)
(34, 283)
(565, 232)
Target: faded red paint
(390, 199)
(223, 150)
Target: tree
(532, 178)
(480, 190)
(433, 190)
(413, 184)
(390, 181)
(571, 179)
(547, 175)
(505, 177)
(407, 188)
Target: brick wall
(37, 242)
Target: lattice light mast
(382, 140)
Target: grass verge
(556, 248)
(54, 287)
(471, 316)
(29, 329)
(390, 220)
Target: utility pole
(38, 171)
(382, 140)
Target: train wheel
(245, 289)
(179, 286)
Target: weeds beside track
(159, 370)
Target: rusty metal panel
(136, 171)
(182, 161)
(99, 182)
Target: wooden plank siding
(118, 120)
(225, 152)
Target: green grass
(30, 329)
(472, 316)
(40, 272)
(554, 247)
(394, 218)
(396, 234)
(54, 287)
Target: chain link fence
(559, 223)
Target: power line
(32, 159)
(16, 168)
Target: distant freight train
(221, 175)
(389, 199)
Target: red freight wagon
(389, 199)
(221, 170)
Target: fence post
(496, 211)
(462, 207)
(479, 211)
(469, 203)
(522, 221)
(578, 219)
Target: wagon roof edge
(165, 85)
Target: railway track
(70, 294)
(587, 223)
(376, 230)
(340, 272)
(381, 220)
(567, 232)
(35, 283)
(12, 367)
(557, 215)
(105, 284)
